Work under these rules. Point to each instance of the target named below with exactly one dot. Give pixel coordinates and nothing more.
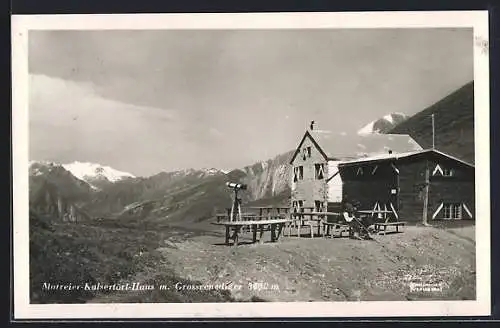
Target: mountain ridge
(454, 124)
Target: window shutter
(437, 211)
(437, 169)
(467, 210)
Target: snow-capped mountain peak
(367, 129)
(212, 171)
(384, 124)
(209, 171)
(91, 171)
(388, 118)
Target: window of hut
(319, 171)
(298, 173)
(301, 205)
(447, 172)
(318, 206)
(452, 211)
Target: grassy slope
(454, 124)
(111, 251)
(106, 251)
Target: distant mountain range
(80, 191)
(196, 194)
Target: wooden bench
(330, 227)
(312, 220)
(397, 224)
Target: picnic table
(386, 222)
(275, 225)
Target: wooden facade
(398, 183)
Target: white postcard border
(21, 24)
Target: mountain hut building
(316, 180)
(397, 182)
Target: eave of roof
(396, 156)
(322, 139)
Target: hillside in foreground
(114, 251)
(321, 269)
(454, 124)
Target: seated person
(348, 215)
(357, 225)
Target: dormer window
(359, 171)
(447, 172)
(306, 153)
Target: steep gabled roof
(388, 157)
(339, 146)
(297, 150)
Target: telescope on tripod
(235, 214)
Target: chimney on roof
(390, 151)
(311, 126)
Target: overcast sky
(151, 101)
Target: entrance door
(393, 198)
